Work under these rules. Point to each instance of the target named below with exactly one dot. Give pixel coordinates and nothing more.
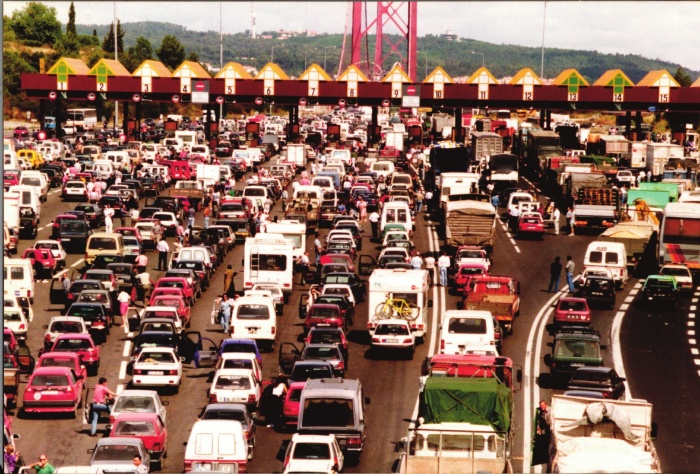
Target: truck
(504, 171)
(208, 175)
(295, 233)
(457, 183)
(601, 436)
(448, 157)
(440, 121)
(465, 417)
(470, 222)
(597, 204)
(485, 144)
(540, 145)
(307, 202)
(394, 139)
(268, 258)
(658, 155)
(10, 214)
(192, 190)
(639, 238)
(296, 154)
(497, 294)
(189, 138)
(609, 145)
(638, 155)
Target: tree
(137, 54)
(94, 33)
(171, 52)
(70, 26)
(36, 22)
(682, 77)
(193, 56)
(108, 43)
(67, 47)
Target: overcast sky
(665, 30)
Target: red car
(324, 315)
(81, 344)
(10, 178)
(290, 408)
(53, 390)
(184, 202)
(531, 223)
(466, 271)
(338, 258)
(177, 302)
(162, 291)
(43, 261)
(178, 282)
(148, 427)
(572, 311)
(130, 231)
(63, 359)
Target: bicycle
(395, 306)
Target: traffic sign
(52, 95)
(386, 103)
(410, 101)
(341, 102)
(175, 98)
(302, 101)
(258, 101)
(219, 99)
(136, 98)
(91, 96)
(200, 97)
(201, 86)
(411, 90)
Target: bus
(679, 240)
(81, 119)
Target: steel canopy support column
(207, 123)
(638, 126)
(125, 118)
(628, 124)
(412, 40)
(459, 131)
(373, 125)
(357, 33)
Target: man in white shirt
(374, 222)
(430, 266)
(416, 261)
(556, 215)
(163, 249)
(108, 213)
(443, 264)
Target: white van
(610, 255)
(195, 253)
(296, 233)
(254, 317)
(18, 277)
(104, 169)
(254, 191)
(396, 212)
(36, 179)
(383, 168)
(214, 445)
(461, 329)
(324, 182)
(103, 242)
(310, 192)
(120, 159)
(515, 198)
(29, 196)
(409, 285)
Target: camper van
(18, 278)
(296, 233)
(29, 196)
(253, 317)
(268, 258)
(396, 212)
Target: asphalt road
(656, 356)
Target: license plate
(253, 330)
(155, 372)
(576, 365)
(63, 239)
(392, 340)
(50, 392)
(596, 293)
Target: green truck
(574, 347)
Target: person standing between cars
(229, 287)
(570, 266)
(419, 201)
(207, 213)
(99, 402)
(139, 466)
(11, 458)
(190, 219)
(304, 267)
(43, 466)
(285, 197)
(430, 266)
(124, 299)
(540, 452)
(362, 207)
(428, 200)
(108, 213)
(157, 231)
(556, 215)
(554, 274)
(65, 284)
(443, 265)
(416, 261)
(571, 219)
(163, 249)
(279, 393)
(318, 247)
(225, 311)
(141, 262)
(179, 231)
(374, 223)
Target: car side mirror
(430, 303)
(16, 436)
(91, 450)
(548, 360)
(182, 359)
(623, 379)
(519, 375)
(367, 401)
(109, 427)
(654, 430)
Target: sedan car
(105, 277)
(57, 250)
(393, 335)
(15, 320)
(63, 325)
(327, 352)
(313, 453)
(139, 401)
(275, 291)
(53, 390)
(74, 190)
(572, 311)
(81, 344)
(357, 285)
(177, 302)
(682, 274)
(157, 367)
(132, 249)
(43, 261)
(236, 386)
(531, 225)
(661, 289)
(95, 317)
(598, 379)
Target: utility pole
(221, 55)
(116, 58)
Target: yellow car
(32, 157)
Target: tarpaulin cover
(479, 401)
(503, 163)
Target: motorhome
(268, 258)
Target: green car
(574, 347)
(661, 289)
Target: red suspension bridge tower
(403, 15)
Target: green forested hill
(455, 57)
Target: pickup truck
(498, 294)
(192, 190)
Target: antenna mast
(252, 19)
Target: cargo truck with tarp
(639, 238)
(465, 423)
(470, 222)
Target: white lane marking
(693, 308)
(691, 332)
(692, 342)
(617, 349)
(120, 388)
(77, 263)
(517, 250)
(624, 306)
(127, 349)
(691, 324)
(58, 275)
(691, 315)
(122, 370)
(697, 361)
(694, 351)
(629, 299)
(530, 388)
(45, 226)
(55, 191)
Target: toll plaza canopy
(71, 79)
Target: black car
(115, 202)
(95, 317)
(93, 214)
(198, 267)
(122, 272)
(598, 379)
(599, 290)
(134, 184)
(154, 339)
(53, 176)
(357, 285)
(167, 204)
(73, 234)
(150, 186)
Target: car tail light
(442, 344)
(341, 365)
(171, 372)
(188, 466)
(212, 397)
(21, 326)
(376, 339)
(407, 340)
(354, 441)
(418, 327)
(286, 285)
(273, 330)
(607, 394)
(251, 398)
(138, 372)
(28, 390)
(247, 284)
(86, 255)
(371, 325)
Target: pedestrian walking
(163, 249)
(99, 402)
(124, 299)
(416, 261)
(543, 432)
(207, 213)
(11, 459)
(554, 275)
(229, 286)
(570, 266)
(190, 219)
(419, 201)
(304, 267)
(109, 214)
(430, 266)
(570, 220)
(374, 223)
(443, 264)
(225, 312)
(556, 216)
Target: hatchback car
(324, 315)
(236, 386)
(157, 367)
(63, 325)
(393, 335)
(304, 370)
(57, 250)
(105, 277)
(328, 335)
(148, 427)
(74, 190)
(661, 289)
(53, 390)
(139, 401)
(572, 311)
(598, 379)
(290, 407)
(682, 274)
(531, 225)
(326, 352)
(96, 319)
(313, 453)
(81, 344)
(15, 320)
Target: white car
(146, 230)
(313, 453)
(19, 302)
(339, 289)
(73, 190)
(169, 312)
(168, 221)
(472, 255)
(57, 250)
(236, 386)
(340, 235)
(681, 273)
(158, 367)
(276, 292)
(240, 360)
(64, 325)
(394, 335)
(15, 320)
(139, 401)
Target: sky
(665, 30)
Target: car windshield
(72, 345)
(232, 382)
(301, 373)
(134, 404)
(392, 330)
(155, 340)
(66, 327)
(134, 428)
(311, 451)
(253, 311)
(571, 348)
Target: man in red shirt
(99, 402)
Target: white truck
(409, 285)
(296, 154)
(10, 206)
(394, 139)
(268, 258)
(457, 183)
(208, 175)
(189, 138)
(295, 233)
(658, 155)
(601, 436)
